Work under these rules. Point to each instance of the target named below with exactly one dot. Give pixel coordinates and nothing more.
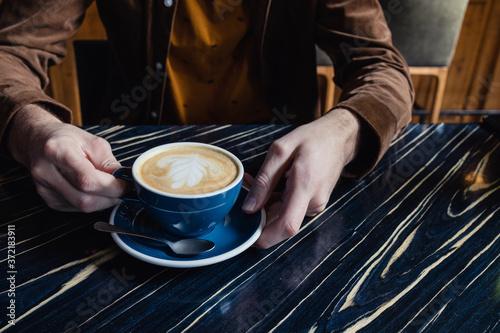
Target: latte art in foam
(188, 170)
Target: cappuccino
(188, 169)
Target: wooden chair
(326, 86)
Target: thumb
(110, 166)
(102, 157)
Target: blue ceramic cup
(183, 215)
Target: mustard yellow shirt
(213, 70)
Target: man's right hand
(72, 169)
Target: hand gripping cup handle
(125, 173)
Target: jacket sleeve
(373, 75)
(33, 36)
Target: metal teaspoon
(189, 246)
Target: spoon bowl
(189, 246)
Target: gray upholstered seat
(426, 33)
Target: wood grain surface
(412, 247)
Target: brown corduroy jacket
(373, 75)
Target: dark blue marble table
(414, 246)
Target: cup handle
(125, 173)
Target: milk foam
(187, 170)
(193, 170)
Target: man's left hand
(311, 158)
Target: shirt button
(159, 66)
(168, 3)
(154, 115)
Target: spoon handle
(106, 227)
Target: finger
(60, 194)
(273, 208)
(322, 193)
(86, 178)
(277, 161)
(316, 206)
(54, 200)
(69, 200)
(286, 225)
(290, 218)
(319, 200)
(100, 155)
(247, 180)
(58, 202)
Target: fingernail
(249, 203)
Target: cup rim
(142, 156)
